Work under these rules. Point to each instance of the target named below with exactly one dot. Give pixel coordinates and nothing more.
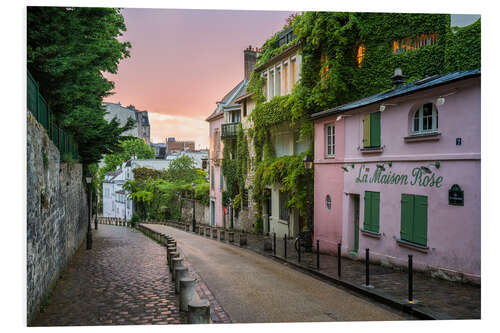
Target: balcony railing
(229, 130)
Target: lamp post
(308, 163)
(88, 179)
(194, 216)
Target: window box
(432, 136)
(413, 246)
(369, 233)
(371, 150)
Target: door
(356, 223)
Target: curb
(377, 296)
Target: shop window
(330, 141)
(414, 218)
(371, 130)
(283, 206)
(360, 55)
(372, 211)
(425, 119)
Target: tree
(68, 50)
(126, 148)
(182, 169)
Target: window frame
(327, 127)
(420, 113)
(282, 201)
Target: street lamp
(194, 216)
(88, 179)
(96, 208)
(308, 164)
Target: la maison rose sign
(417, 177)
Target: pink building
(400, 173)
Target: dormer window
(425, 119)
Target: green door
(356, 223)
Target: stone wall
(202, 212)
(57, 214)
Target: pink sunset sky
(183, 61)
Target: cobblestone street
(123, 280)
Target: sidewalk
(122, 280)
(435, 298)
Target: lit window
(293, 73)
(330, 140)
(360, 54)
(278, 82)
(325, 67)
(408, 43)
(425, 119)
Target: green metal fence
(39, 108)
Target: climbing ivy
(331, 76)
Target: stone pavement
(123, 280)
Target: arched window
(425, 119)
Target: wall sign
(456, 196)
(417, 177)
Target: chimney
(250, 58)
(398, 78)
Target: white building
(115, 202)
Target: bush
(135, 220)
(259, 225)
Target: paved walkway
(255, 289)
(440, 298)
(123, 280)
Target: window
(293, 74)
(372, 211)
(360, 54)
(414, 218)
(408, 43)
(283, 206)
(325, 66)
(285, 78)
(264, 92)
(371, 130)
(271, 84)
(425, 119)
(244, 198)
(212, 180)
(244, 108)
(277, 86)
(328, 202)
(330, 141)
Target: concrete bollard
(214, 233)
(170, 250)
(176, 262)
(202, 231)
(199, 311)
(268, 244)
(221, 235)
(173, 255)
(196, 229)
(187, 286)
(242, 239)
(207, 231)
(180, 273)
(230, 236)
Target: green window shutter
(375, 213)
(367, 217)
(420, 220)
(407, 217)
(375, 129)
(366, 131)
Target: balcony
(229, 130)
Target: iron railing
(42, 113)
(229, 130)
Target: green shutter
(375, 213)
(366, 131)
(420, 220)
(375, 129)
(367, 217)
(406, 217)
